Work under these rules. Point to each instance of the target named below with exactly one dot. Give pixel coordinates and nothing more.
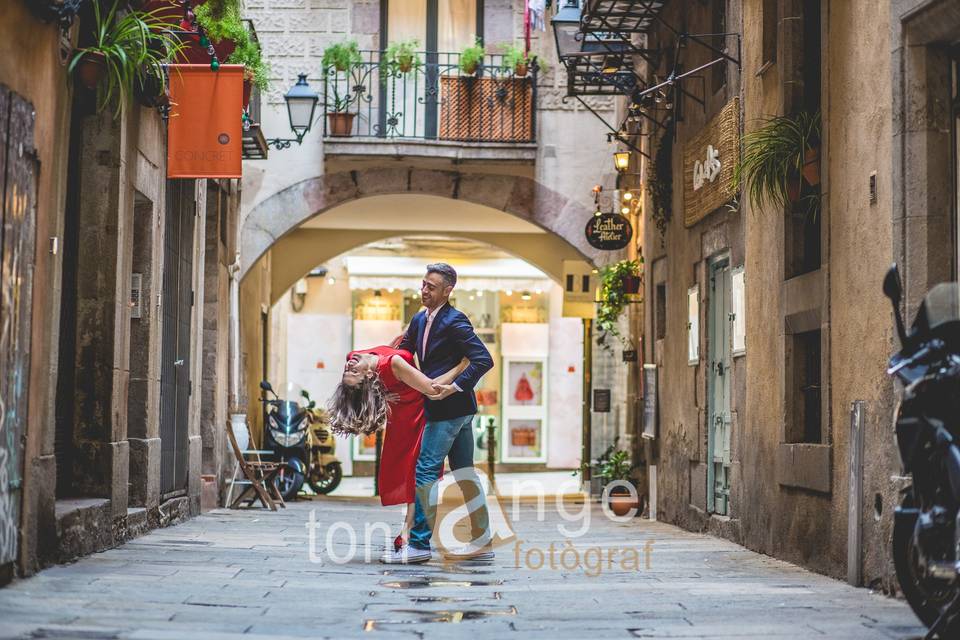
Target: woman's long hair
(359, 410)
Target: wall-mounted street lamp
(621, 160)
(566, 30)
(301, 103)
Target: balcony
(433, 110)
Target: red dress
(401, 439)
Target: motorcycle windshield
(940, 309)
(287, 411)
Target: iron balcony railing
(432, 100)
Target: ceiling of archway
(432, 247)
(411, 212)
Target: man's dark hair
(445, 271)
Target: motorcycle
(324, 470)
(286, 435)
(926, 533)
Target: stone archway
(519, 196)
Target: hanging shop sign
(609, 231)
(205, 128)
(708, 161)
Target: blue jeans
(453, 438)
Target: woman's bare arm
(412, 377)
(450, 376)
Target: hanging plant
(249, 54)
(402, 56)
(778, 158)
(342, 56)
(617, 281)
(126, 49)
(471, 58)
(660, 180)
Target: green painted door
(718, 386)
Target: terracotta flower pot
(631, 284)
(520, 70)
(811, 167)
(405, 63)
(621, 502)
(341, 124)
(92, 68)
(471, 69)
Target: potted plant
(403, 56)
(256, 70)
(777, 157)
(126, 48)
(222, 26)
(617, 468)
(516, 60)
(471, 58)
(342, 56)
(617, 281)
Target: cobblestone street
(248, 572)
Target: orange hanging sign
(205, 129)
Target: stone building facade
(116, 299)
(805, 391)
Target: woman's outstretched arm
(450, 376)
(412, 377)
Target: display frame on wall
(524, 414)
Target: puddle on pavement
(496, 595)
(449, 616)
(422, 582)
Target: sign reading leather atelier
(708, 161)
(609, 231)
(205, 129)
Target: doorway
(177, 308)
(718, 388)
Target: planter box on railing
(486, 109)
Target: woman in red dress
(381, 388)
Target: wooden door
(177, 307)
(18, 184)
(718, 380)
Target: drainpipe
(234, 271)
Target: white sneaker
(470, 552)
(406, 555)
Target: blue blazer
(451, 339)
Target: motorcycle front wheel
(926, 596)
(288, 482)
(330, 480)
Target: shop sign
(709, 158)
(609, 231)
(204, 130)
(601, 400)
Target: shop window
(660, 312)
(804, 408)
(769, 32)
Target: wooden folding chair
(258, 477)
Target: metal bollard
(491, 451)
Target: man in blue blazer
(441, 337)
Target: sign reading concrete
(609, 231)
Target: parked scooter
(926, 533)
(324, 470)
(286, 431)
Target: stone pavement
(227, 573)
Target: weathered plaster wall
(39, 78)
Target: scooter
(286, 435)
(324, 470)
(926, 525)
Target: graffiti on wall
(18, 170)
